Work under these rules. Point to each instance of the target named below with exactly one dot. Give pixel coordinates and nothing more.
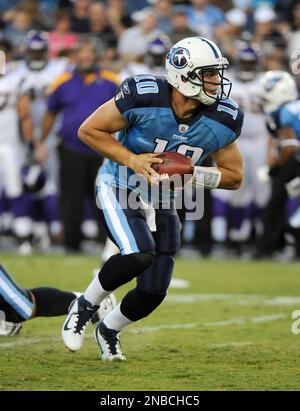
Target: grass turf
(228, 331)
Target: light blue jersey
(145, 101)
(288, 115)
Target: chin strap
(208, 177)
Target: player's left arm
(229, 162)
(227, 174)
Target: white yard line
(17, 341)
(244, 299)
(239, 299)
(234, 321)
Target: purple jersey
(76, 98)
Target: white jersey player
(244, 206)
(38, 73)
(10, 153)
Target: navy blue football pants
(129, 230)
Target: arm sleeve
(126, 99)
(24, 87)
(286, 118)
(54, 101)
(231, 130)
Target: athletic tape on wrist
(208, 177)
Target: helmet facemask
(247, 62)
(36, 60)
(36, 50)
(222, 91)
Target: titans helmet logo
(179, 57)
(271, 82)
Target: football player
(281, 105)
(188, 112)
(242, 209)
(38, 72)
(18, 304)
(11, 148)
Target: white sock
(95, 293)
(115, 320)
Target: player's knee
(139, 303)
(170, 247)
(156, 281)
(152, 299)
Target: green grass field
(230, 330)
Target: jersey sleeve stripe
(110, 75)
(58, 82)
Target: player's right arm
(97, 132)
(25, 121)
(41, 151)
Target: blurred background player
(12, 148)
(38, 72)
(293, 224)
(238, 214)
(282, 108)
(18, 304)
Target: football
(175, 164)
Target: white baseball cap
(237, 17)
(264, 14)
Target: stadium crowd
(64, 58)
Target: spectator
(180, 25)
(245, 5)
(163, 9)
(61, 38)
(136, 38)
(75, 95)
(80, 16)
(228, 33)
(258, 3)
(136, 5)
(47, 10)
(99, 25)
(203, 17)
(270, 39)
(6, 5)
(224, 5)
(118, 17)
(294, 36)
(21, 24)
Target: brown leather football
(174, 163)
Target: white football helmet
(188, 60)
(277, 87)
